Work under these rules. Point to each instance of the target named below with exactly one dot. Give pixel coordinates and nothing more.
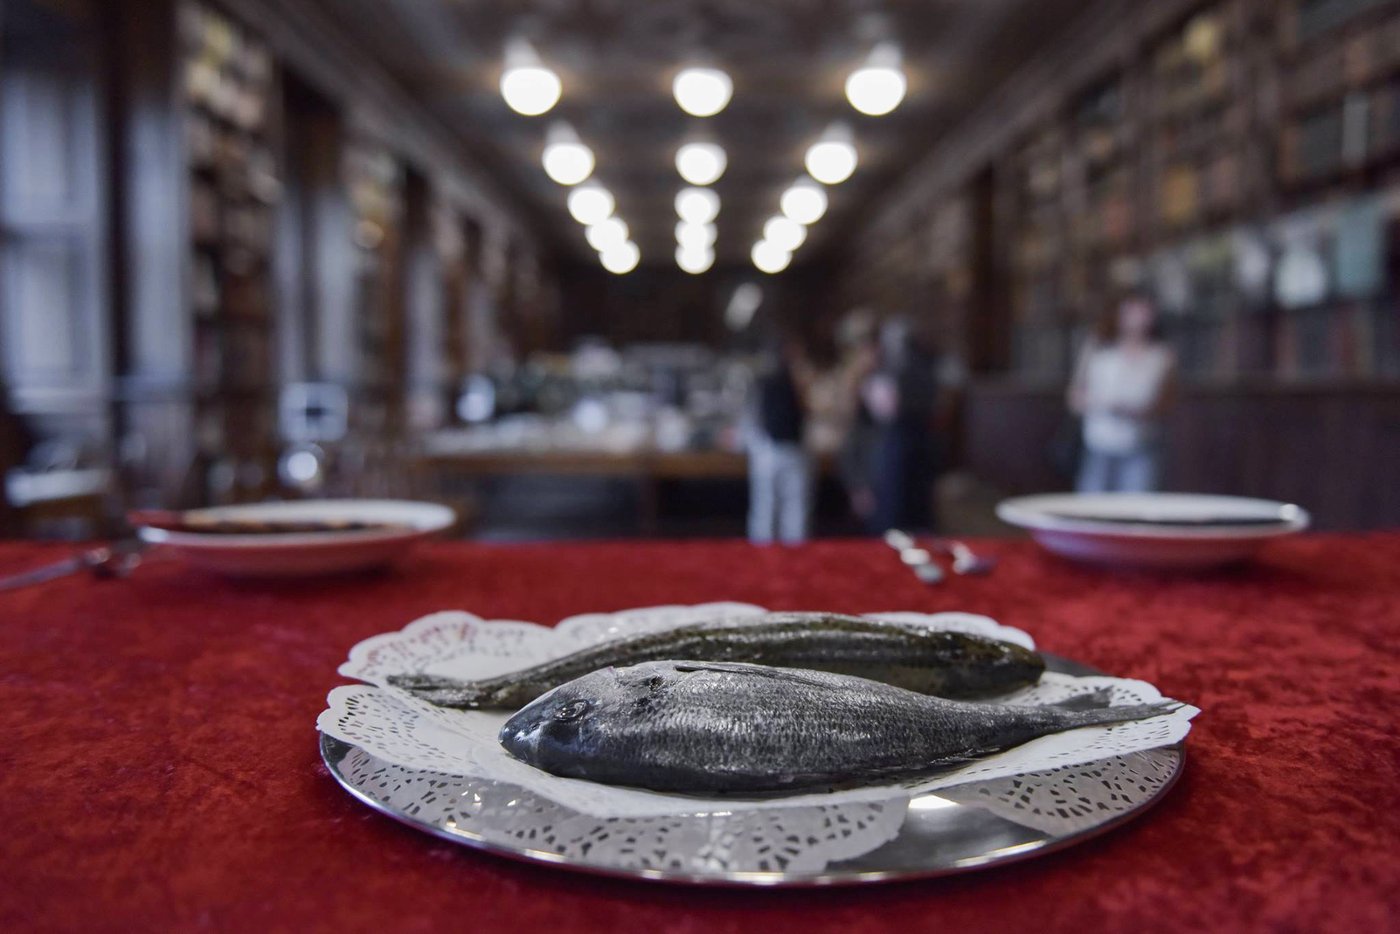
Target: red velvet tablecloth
(159, 768)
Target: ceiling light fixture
(832, 159)
(697, 205)
(877, 86)
(566, 160)
(702, 92)
(769, 257)
(694, 261)
(701, 163)
(528, 86)
(804, 201)
(621, 258)
(606, 234)
(695, 236)
(590, 203)
(784, 233)
(742, 305)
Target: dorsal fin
(742, 668)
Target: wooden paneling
(424, 274)
(152, 227)
(1333, 449)
(315, 260)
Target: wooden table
(646, 468)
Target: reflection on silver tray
(961, 828)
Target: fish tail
(444, 692)
(1124, 714)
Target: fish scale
(919, 658)
(701, 727)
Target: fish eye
(572, 710)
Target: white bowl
(1153, 530)
(298, 554)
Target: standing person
(780, 471)
(1122, 386)
(861, 358)
(901, 396)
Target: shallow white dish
(1153, 530)
(298, 554)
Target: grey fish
(714, 727)
(930, 661)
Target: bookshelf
(230, 99)
(375, 178)
(1243, 166)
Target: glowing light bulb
(877, 87)
(742, 305)
(621, 258)
(607, 233)
(566, 160)
(804, 201)
(695, 236)
(701, 163)
(697, 205)
(832, 159)
(528, 86)
(770, 258)
(590, 203)
(784, 233)
(702, 92)
(694, 261)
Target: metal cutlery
(106, 562)
(917, 559)
(965, 560)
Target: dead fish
(930, 661)
(698, 727)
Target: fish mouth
(521, 737)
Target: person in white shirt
(1122, 386)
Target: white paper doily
(787, 840)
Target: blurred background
(696, 267)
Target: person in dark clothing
(780, 471)
(862, 358)
(901, 395)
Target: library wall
(1239, 161)
(305, 234)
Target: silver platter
(957, 830)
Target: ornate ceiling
(788, 60)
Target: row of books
(231, 95)
(1350, 340)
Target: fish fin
(741, 668)
(439, 691)
(1111, 715)
(422, 682)
(1094, 700)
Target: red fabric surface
(158, 763)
